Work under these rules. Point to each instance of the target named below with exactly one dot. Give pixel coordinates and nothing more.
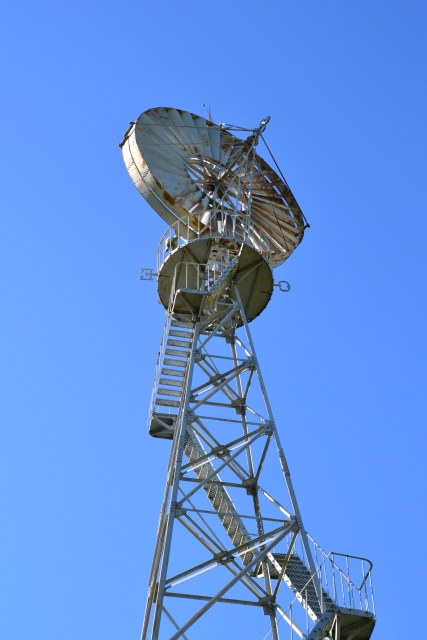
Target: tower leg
(221, 450)
(175, 469)
(282, 458)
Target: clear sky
(343, 353)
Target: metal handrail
(347, 555)
(348, 588)
(304, 590)
(203, 273)
(160, 356)
(230, 226)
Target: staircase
(343, 622)
(169, 383)
(218, 496)
(298, 578)
(337, 618)
(169, 379)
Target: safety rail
(348, 582)
(197, 276)
(358, 597)
(216, 224)
(160, 356)
(345, 582)
(346, 578)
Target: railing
(204, 277)
(345, 581)
(157, 372)
(213, 224)
(358, 597)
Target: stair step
(323, 626)
(175, 363)
(181, 334)
(168, 392)
(172, 372)
(166, 403)
(171, 383)
(177, 323)
(179, 343)
(175, 352)
(298, 574)
(218, 496)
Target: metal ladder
(171, 371)
(169, 378)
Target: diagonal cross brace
(230, 584)
(222, 466)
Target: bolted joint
(269, 428)
(223, 557)
(229, 334)
(219, 377)
(251, 362)
(239, 406)
(177, 510)
(189, 415)
(268, 605)
(198, 355)
(250, 486)
(220, 451)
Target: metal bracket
(189, 414)
(219, 377)
(223, 557)
(147, 274)
(178, 510)
(269, 429)
(268, 605)
(283, 285)
(251, 486)
(251, 362)
(239, 406)
(220, 451)
(198, 355)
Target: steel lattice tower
(230, 531)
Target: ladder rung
(177, 323)
(175, 363)
(175, 352)
(172, 383)
(168, 392)
(179, 343)
(181, 334)
(173, 372)
(166, 403)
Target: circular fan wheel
(188, 167)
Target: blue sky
(343, 354)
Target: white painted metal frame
(219, 391)
(212, 186)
